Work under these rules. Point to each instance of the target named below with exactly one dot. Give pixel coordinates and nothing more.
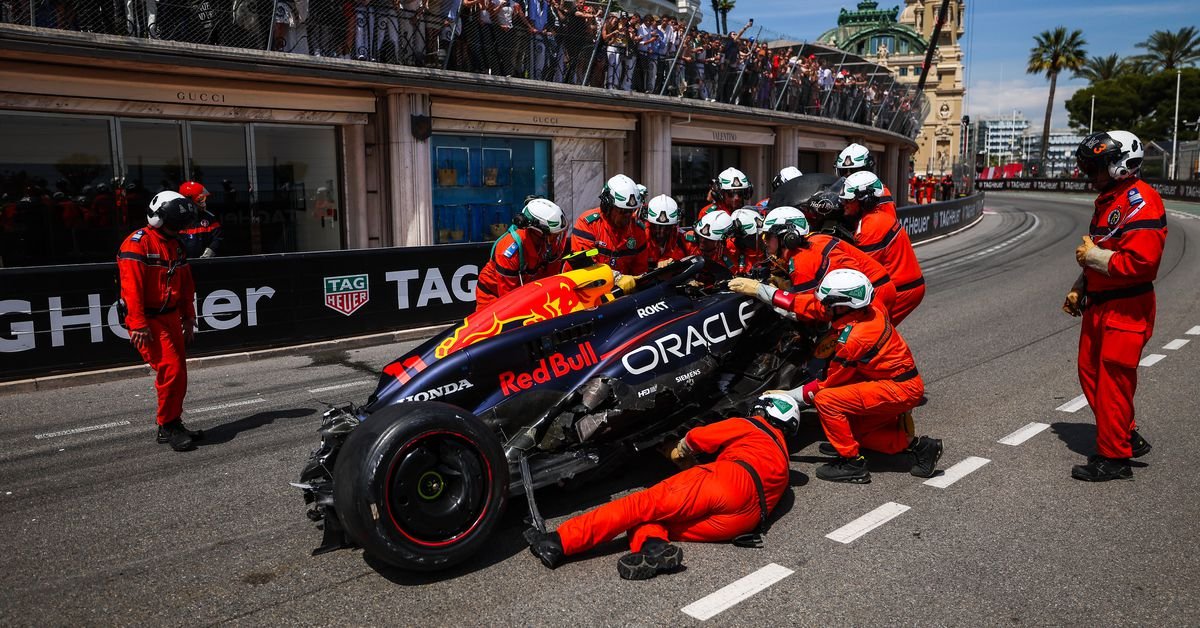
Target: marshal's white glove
(752, 288)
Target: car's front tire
(421, 485)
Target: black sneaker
(657, 556)
(547, 546)
(827, 449)
(164, 437)
(927, 452)
(176, 435)
(852, 470)
(1138, 444)
(1101, 469)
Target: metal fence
(590, 43)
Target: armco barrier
(61, 318)
(56, 319)
(1175, 190)
(923, 222)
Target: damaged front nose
(316, 479)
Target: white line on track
(231, 404)
(957, 472)
(356, 384)
(988, 251)
(80, 430)
(1195, 331)
(867, 522)
(1023, 434)
(1074, 405)
(1152, 359)
(711, 605)
(1176, 344)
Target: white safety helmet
(779, 410)
(854, 157)
(543, 215)
(845, 286)
(748, 221)
(622, 193)
(662, 210)
(715, 225)
(786, 219)
(1120, 151)
(733, 179)
(861, 185)
(785, 175)
(172, 210)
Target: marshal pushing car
(557, 380)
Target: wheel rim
(438, 488)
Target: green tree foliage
(1055, 51)
(1098, 69)
(1166, 50)
(1139, 103)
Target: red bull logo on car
(547, 369)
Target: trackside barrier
(60, 319)
(1174, 190)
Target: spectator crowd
(561, 41)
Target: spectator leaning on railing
(575, 41)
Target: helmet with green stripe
(845, 286)
(779, 410)
(543, 215)
(620, 192)
(853, 158)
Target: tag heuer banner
(57, 319)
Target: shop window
(693, 169)
(298, 207)
(903, 71)
(58, 198)
(218, 160)
(479, 182)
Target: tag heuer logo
(347, 293)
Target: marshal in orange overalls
(710, 502)
(1129, 227)
(157, 287)
(882, 238)
(823, 253)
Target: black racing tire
(421, 485)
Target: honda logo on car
(547, 369)
(711, 331)
(649, 310)
(440, 391)
(347, 293)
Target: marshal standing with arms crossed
(1115, 296)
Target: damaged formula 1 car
(557, 380)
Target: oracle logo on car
(711, 331)
(547, 369)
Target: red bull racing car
(557, 380)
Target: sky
(997, 40)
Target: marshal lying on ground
(558, 379)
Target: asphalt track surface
(100, 525)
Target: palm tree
(716, 6)
(725, 7)
(1167, 50)
(1098, 69)
(1054, 52)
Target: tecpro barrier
(56, 319)
(1176, 190)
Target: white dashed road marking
(867, 522)
(231, 404)
(1195, 331)
(710, 605)
(1023, 434)
(339, 386)
(957, 472)
(1074, 405)
(1151, 359)
(80, 430)
(1176, 344)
